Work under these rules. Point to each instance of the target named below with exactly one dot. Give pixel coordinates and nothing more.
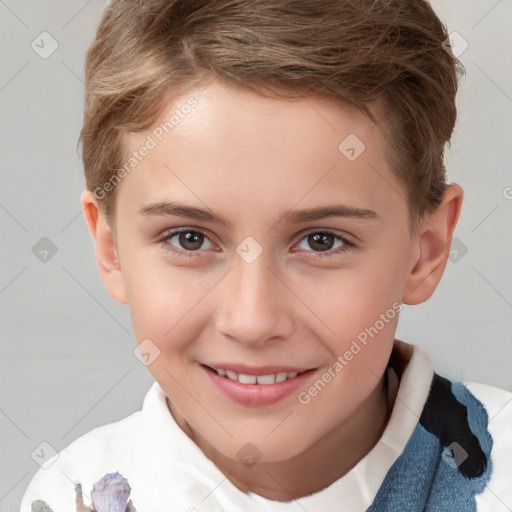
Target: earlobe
(433, 247)
(105, 246)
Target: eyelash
(347, 244)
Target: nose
(255, 305)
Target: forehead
(234, 146)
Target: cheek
(164, 301)
(360, 352)
(359, 310)
(350, 300)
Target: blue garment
(447, 459)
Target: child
(302, 143)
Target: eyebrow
(292, 217)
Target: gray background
(67, 362)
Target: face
(252, 237)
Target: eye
(190, 241)
(323, 242)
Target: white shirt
(168, 472)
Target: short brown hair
(363, 53)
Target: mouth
(257, 386)
(257, 376)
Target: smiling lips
(257, 385)
(244, 378)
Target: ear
(433, 247)
(106, 249)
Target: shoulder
(103, 450)
(497, 495)
(497, 401)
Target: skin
(251, 160)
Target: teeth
(231, 375)
(280, 377)
(266, 379)
(253, 379)
(247, 379)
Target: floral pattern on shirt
(109, 494)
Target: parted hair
(379, 56)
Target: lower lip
(256, 394)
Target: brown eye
(190, 240)
(325, 242)
(186, 241)
(321, 241)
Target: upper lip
(257, 370)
